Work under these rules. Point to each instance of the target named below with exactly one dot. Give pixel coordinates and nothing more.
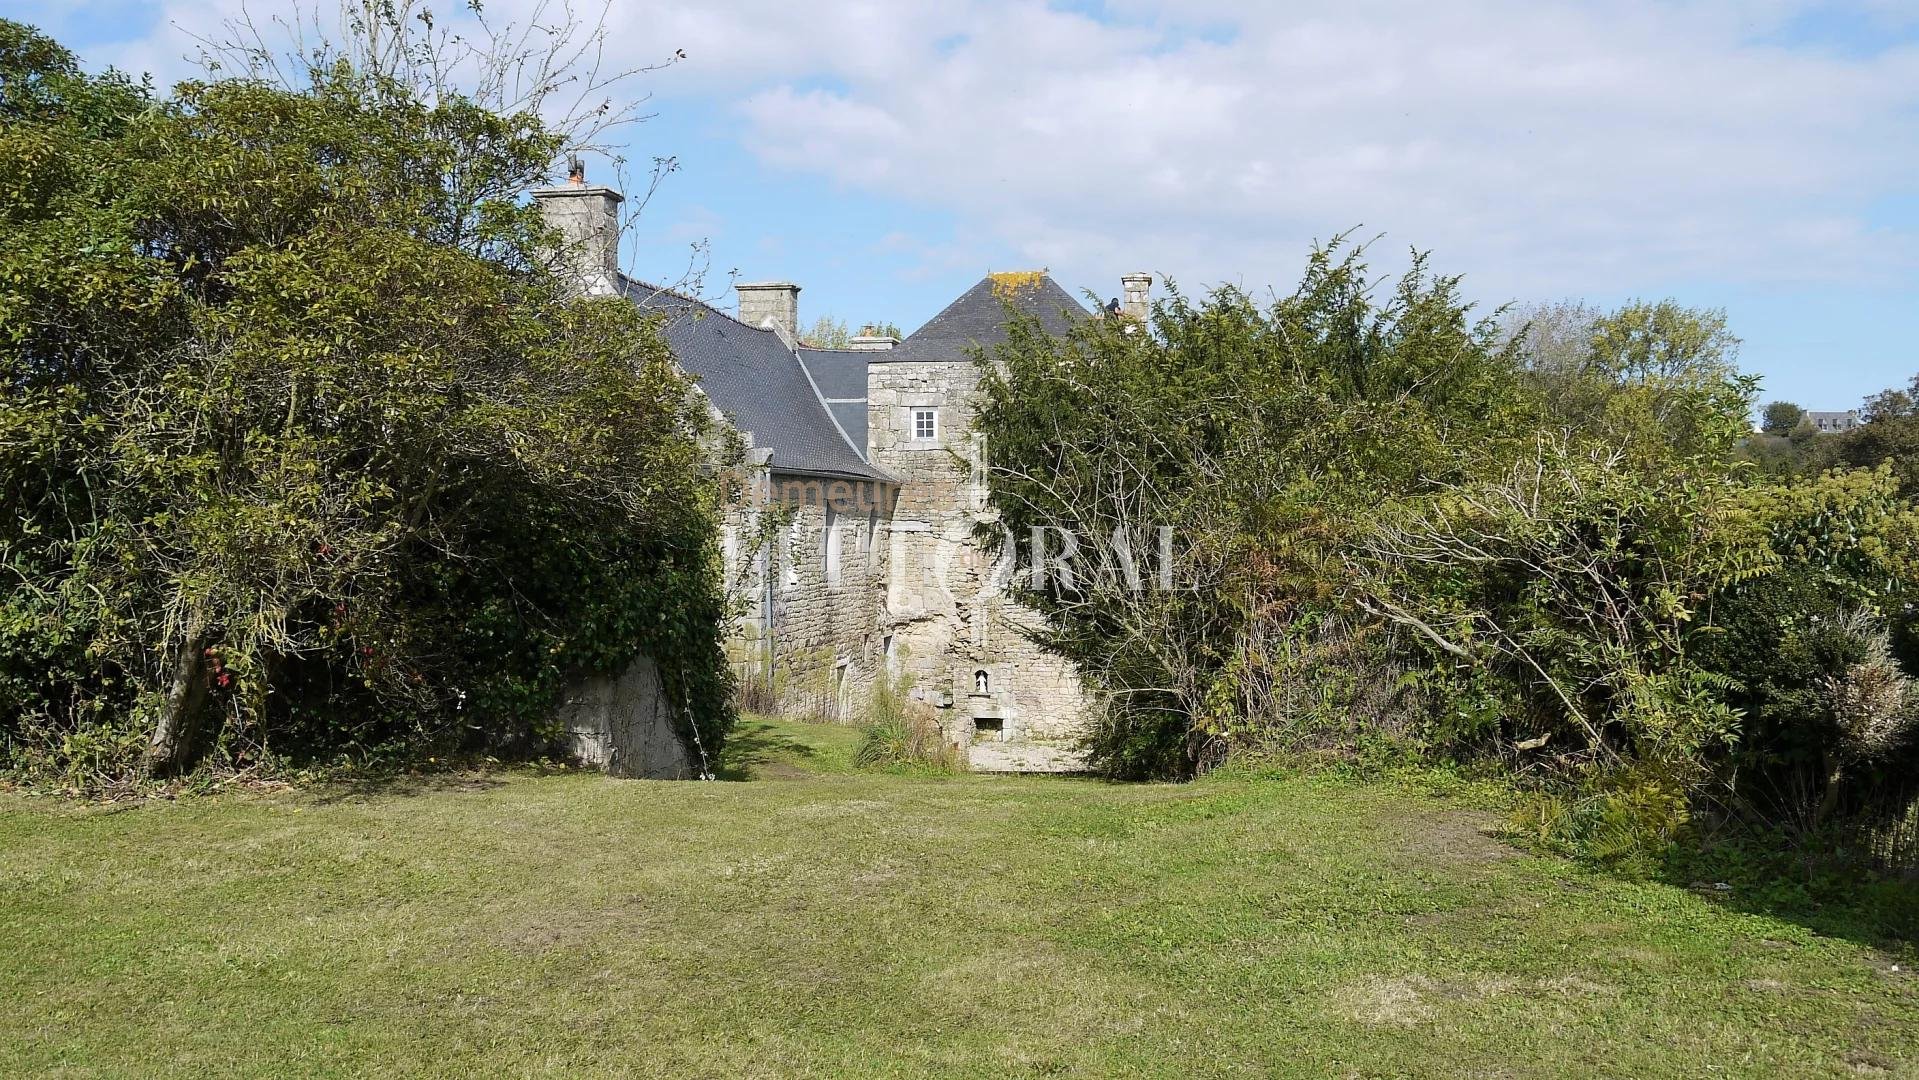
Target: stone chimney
(1136, 291)
(588, 221)
(872, 340)
(772, 305)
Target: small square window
(926, 424)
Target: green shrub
(901, 732)
(308, 451)
(1810, 648)
(1629, 820)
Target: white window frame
(929, 413)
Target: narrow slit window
(830, 547)
(790, 554)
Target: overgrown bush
(1806, 645)
(309, 449)
(1264, 438)
(1393, 523)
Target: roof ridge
(760, 382)
(667, 290)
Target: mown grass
(821, 921)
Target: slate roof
(841, 376)
(751, 376)
(978, 317)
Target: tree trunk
(170, 749)
(1829, 799)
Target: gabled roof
(751, 376)
(978, 318)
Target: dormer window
(926, 425)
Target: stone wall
(947, 611)
(911, 591)
(811, 593)
(624, 725)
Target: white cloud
(1543, 148)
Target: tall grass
(903, 732)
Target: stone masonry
(953, 625)
(812, 589)
(853, 553)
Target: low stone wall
(624, 725)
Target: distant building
(874, 572)
(1832, 423)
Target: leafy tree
(1665, 343)
(1263, 438)
(1780, 418)
(1634, 375)
(309, 440)
(1440, 504)
(1889, 437)
(1554, 338)
(830, 333)
(1893, 404)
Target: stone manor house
(865, 457)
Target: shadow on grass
(402, 785)
(1823, 895)
(757, 750)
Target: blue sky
(1760, 156)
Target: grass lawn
(818, 921)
